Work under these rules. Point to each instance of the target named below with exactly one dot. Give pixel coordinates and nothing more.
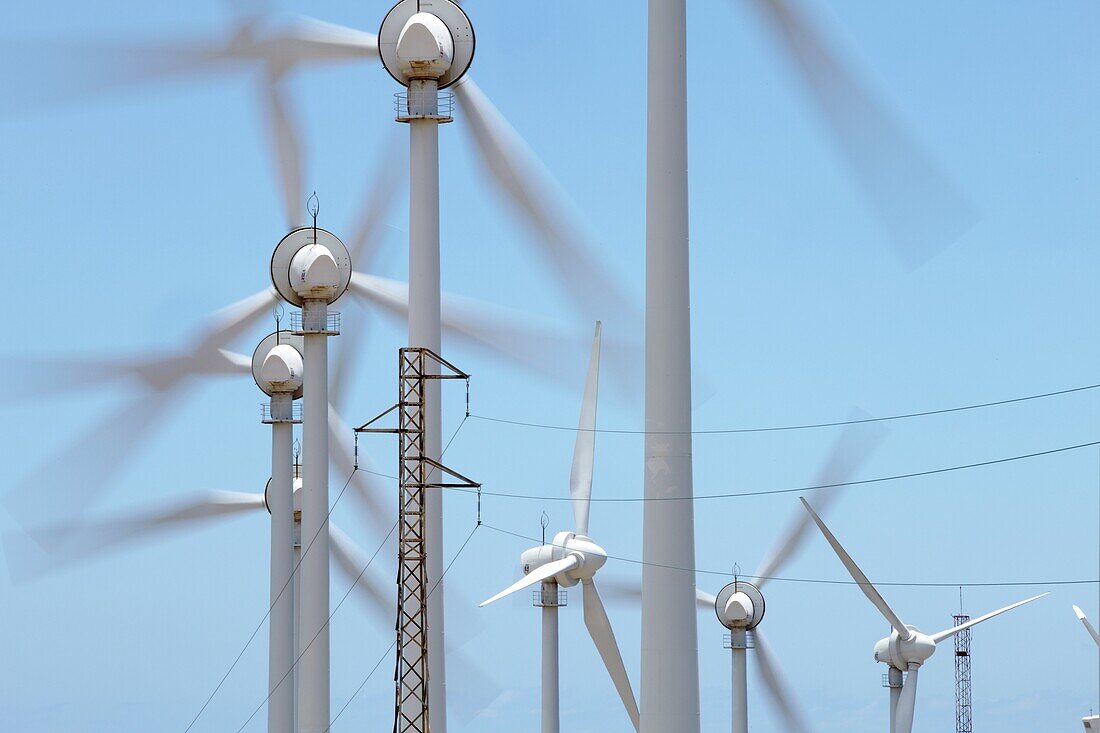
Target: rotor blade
(522, 179)
(70, 480)
(599, 628)
(777, 687)
(348, 357)
(907, 701)
(66, 71)
(310, 40)
(354, 565)
(388, 178)
(858, 576)
(915, 200)
(854, 444)
(584, 450)
(537, 575)
(225, 325)
(516, 337)
(940, 636)
(75, 541)
(287, 153)
(372, 498)
(1088, 626)
(86, 68)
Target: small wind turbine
(740, 605)
(311, 269)
(1092, 722)
(571, 558)
(277, 367)
(906, 649)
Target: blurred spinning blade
(88, 68)
(521, 178)
(916, 202)
(73, 542)
(65, 485)
(853, 446)
(516, 337)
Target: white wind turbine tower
(427, 45)
(311, 269)
(906, 649)
(571, 558)
(740, 605)
(907, 192)
(744, 612)
(1092, 722)
(277, 367)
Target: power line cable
(323, 627)
(804, 426)
(797, 489)
(635, 561)
(394, 644)
(267, 614)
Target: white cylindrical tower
(427, 45)
(740, 608)
(311, 268)
(670, 663)
(740, 683)
(548, 598)
(277, 367)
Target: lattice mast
(418, 474)
(963, 713)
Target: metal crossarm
(417, 473)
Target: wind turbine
(277, 367)
(906, 649)
(1092, 722)
(311, 269)
(905, 189)
(571, 558)
(426, 46)
(740, 605)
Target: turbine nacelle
(283, 368)
(425, 47)
(738, 610)
(899, 653)
(297, 498)
(590, 557)
(314, 274)
(739, 606)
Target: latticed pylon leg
(963, 714)
(418, 474)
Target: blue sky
(132, 215)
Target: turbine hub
(739, 606)
(899, 653)
(314, 274)
(282, 369)
(425, 47)
(590, 557)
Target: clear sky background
(132, 215)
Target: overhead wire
(394, 643)
(803, 426)
(267, 614)
(821, 581)
(797, 489)
(324, 626)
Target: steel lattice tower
(963, 718)
(418, 474)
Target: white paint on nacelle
(590, 557)
(899, 653)
(425, 47)
(314, 274)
